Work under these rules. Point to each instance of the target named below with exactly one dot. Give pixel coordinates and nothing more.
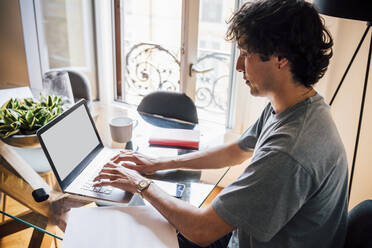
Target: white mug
(121, 128)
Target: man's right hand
(213, 158)
(137, 161)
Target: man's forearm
(214, 158)
(201, 226)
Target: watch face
(143, 184)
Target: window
(150, 45)
(156, 48)
(59, 34)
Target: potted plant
(21, 118)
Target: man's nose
(240, 64)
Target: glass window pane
(151, 38)
(211, 16)
(67, 33)
(214, 53)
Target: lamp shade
(351, 9)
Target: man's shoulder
(309, 136)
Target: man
(294, 192)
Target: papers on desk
(175, 137)
(140, 226)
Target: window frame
(31, 43)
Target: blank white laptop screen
(70, 140)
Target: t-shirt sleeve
(249, 138)
(266, 196)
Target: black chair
(178, 107)
(359, 228)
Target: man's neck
(286, 97)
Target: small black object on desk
(40, 195)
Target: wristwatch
(142, 186)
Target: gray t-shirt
(294, 192)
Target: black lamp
(350, 9)
(356, 10)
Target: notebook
(139, 226)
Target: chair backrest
(79, 84)
(169, 104)
(359, 228)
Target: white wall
(346, 107)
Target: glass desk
(54, 211)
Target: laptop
(76, 154)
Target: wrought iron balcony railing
(150, 67)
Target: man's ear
(281, 61)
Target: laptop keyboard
(88, 185)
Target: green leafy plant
(27, 116)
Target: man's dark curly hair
(291, 29)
